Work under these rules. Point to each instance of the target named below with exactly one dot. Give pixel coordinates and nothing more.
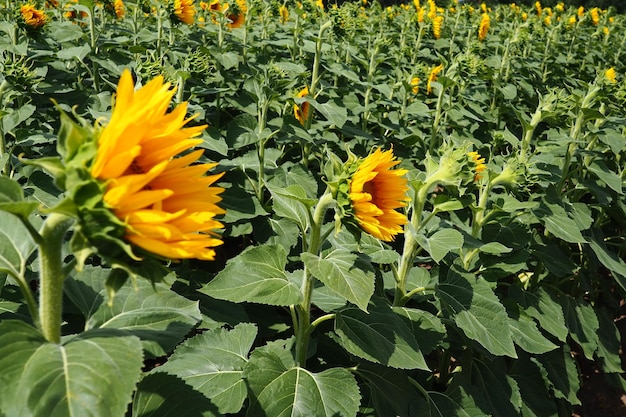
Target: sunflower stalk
(94, 48)
(411, 246)
(51, 275)
(304, 326)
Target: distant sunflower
(237, 14)
(166, 204)
(33, 17)
(415, 85)
(485, 22)
(376, 191)
(184, 10)
(433, 77)
(119, 8)
(437, 24)
(479, 164)
(301, 112)
(610, 75)
(284, 13)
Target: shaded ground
(598, 397)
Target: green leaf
(457, 401)
(525, 332)
(212, 363)
(333, 112)
(280, 389)
(558, 222)
(74, 52)
(607, 258)
(391, 391)
(292, 203)
(93, 374)
(541, 306)
(16, 245)
(582, 323)
(536, 399)
(609, 342)
(165, 395)
(426, 327)
(380, 336)
(256, 275)
(499, 389)
(346, 273)
(559, 372)
(153, 312)
(441, 243)
(14, 118)
(477, 311)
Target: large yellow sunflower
(166, 203)
(32, 16)
(184, 10)
(376, 191)
(237, 14)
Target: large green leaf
(12, 198)
(292, 203)
(558, 221)
(391, 391)
(212, 363)
(609, 342)
(347, 273)
(536, 399)
(380, 335)
(256, 275)
(279, 388)
(525, 332)
(16, 245)
(582, 322)
(609, 259)
(427, 328)
(559, 372)
(164, 395)
(441, 243)
(541, 306)
(477, 311)
(498, 389)
(91, 374)
(153, 312)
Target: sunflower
(284, 13)
(484, 27)
(166, 204)
(33, 17)
(437, 23)
(301, 112)
(610, 75)
(433, 77)
(119, 8)
(376, 191)
(237, 14)
(415, 85)
(184, 10)
(479, 164)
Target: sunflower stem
(410, 246)
(304, 326)
(51, 275)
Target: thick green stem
(410, 246)
(51, 275)
(303, 310)
(94, 49)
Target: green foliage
(504, 279)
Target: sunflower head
(183, 11)
(33, 18)
(369, 193)
(301, 111)
(134, 183)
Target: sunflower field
(279, 208)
